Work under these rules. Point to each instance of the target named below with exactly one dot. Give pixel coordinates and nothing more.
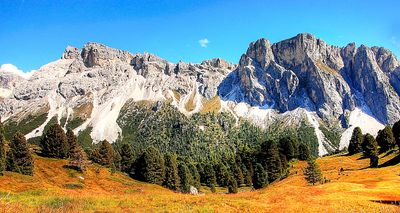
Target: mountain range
(285, 84)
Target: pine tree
(312, 173)
(150, 166)
(22, 156)
(72, 141)
(127, 157)
(185, 177)
(374, 159)
(2, 149)
(396, 133)
(355, 144)
(104, 155)
(195, 176)
(232, 185)
(221, 174)
(78, 159)
(11, 165)
(289, 147)
(54, 143)
(304, 152)
(116, 165)
(172, 179)
(273, 161)
(237, 173)
(369, 145)
(209, 175)
(385, 139)
(260, 179)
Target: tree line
(371, 147)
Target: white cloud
(10, 68)
(204, 42)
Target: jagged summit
(300, 79)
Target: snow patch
(320, 136)
(367, 124)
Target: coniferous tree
(355, 144)
(237, 173)
(78, 159)
(369, 145)
(273, 162)
(209, 175)
(232, 185)
(185, 177)
(150, 166)
(127, 157)
(54, 143)
(289, 147)
(22, 156)
(374, 159)
(116, 160)
(103, 155)
(396, 133)
(304, 152)
(312, 173)
(385, 139)
(248, 179)
(172, 179)
(11, 164)
(195, 176)
(2, 149)
(260, 179)
(222, 174)
(72, 141)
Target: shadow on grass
(390, 202)
(391, 162)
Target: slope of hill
(55, 188)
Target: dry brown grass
(83, 111)
(351, 191)
(191, 103)
(177, 95)
(326, 68)
(212, 105)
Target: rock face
(295, 79)
(306, 72)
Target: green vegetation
(332, 135)
(25, 126)
(313, 173)
(355, 144)
(75, 122)
(20, 157)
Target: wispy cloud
(396, 41)
(10, 68)
(204, 42)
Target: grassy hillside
(55, 188)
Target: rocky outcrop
(306, 72)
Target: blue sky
(33, 33)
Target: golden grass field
(56, 189)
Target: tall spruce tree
(260, 179)
(312, 173)
(103, 155)
(369, 145)
(385, 139)
(185, 177)
(232, 185)
(22, 156)
(289, 146)
(355, 144)
(54, 142)
(2, 149)
(273, 161)
(209, 175)
(72, 141)
(304, 152)
(172, 179)
(127, 157)
(396, 133)
(195, 175)
(221, 171)
(150, 167)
